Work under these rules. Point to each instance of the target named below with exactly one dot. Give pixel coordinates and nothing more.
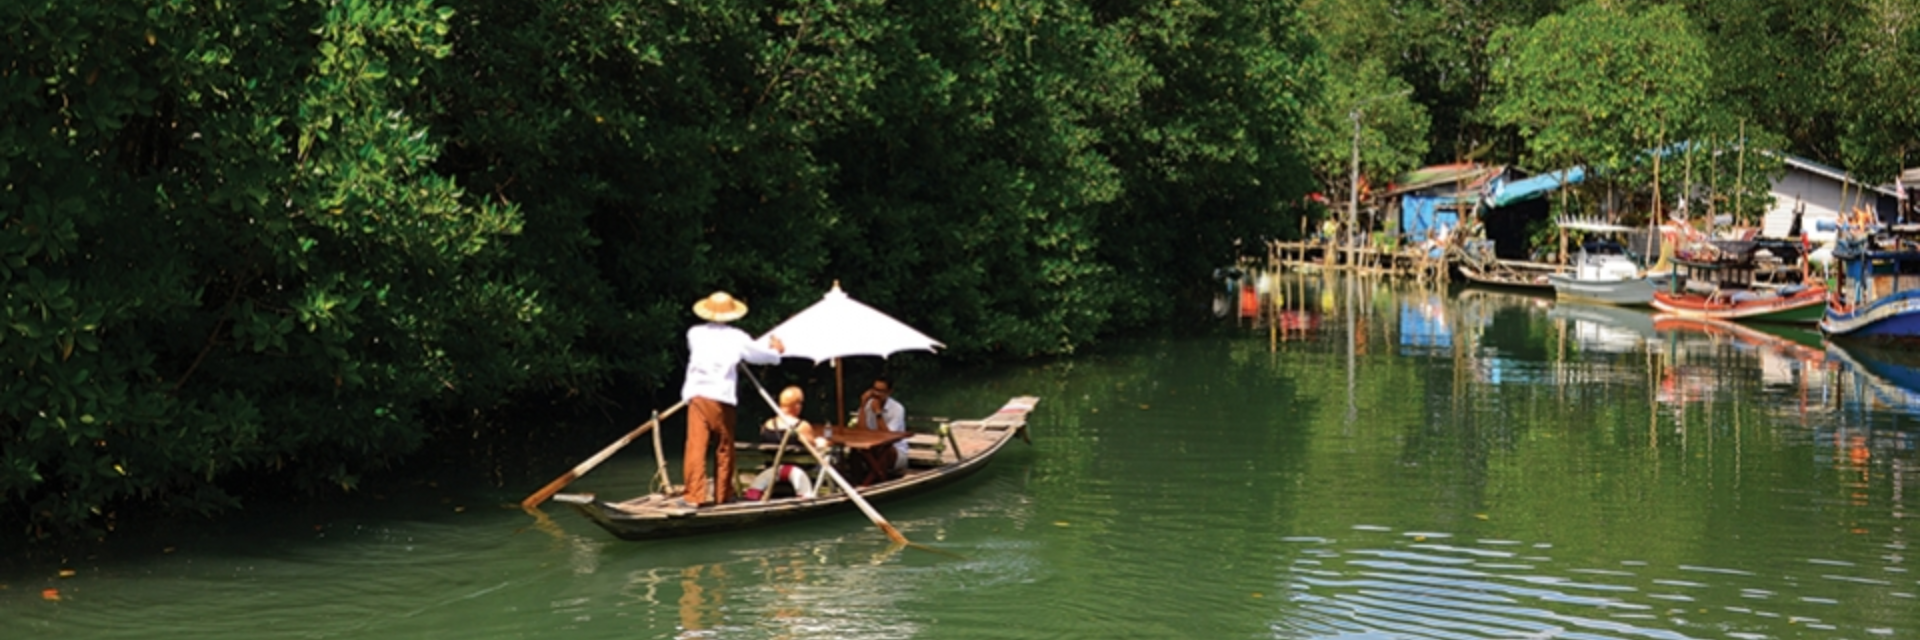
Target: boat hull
(650, 517)
(1804, 307)
(1517, 278)
(1894, 317)
(1622, 292)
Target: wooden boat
(1726, 291)
(971, 445)
(1878, 290)
(1509, 273)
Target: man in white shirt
(714, 350)
(877, 408)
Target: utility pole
(1353, 191)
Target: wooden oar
(582, 468)
(827, 466)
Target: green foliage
(1208, 154)
(1770, 66)
(1881, 133)
(1440, 47)
(1392, 128)
(228, 253)
(1601, 86)
(291, 240)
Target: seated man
(878, 410)
(774, 431)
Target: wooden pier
(1413, 261)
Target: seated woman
(778, 429)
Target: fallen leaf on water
(1481, 516)
(1143, 407)
(1419, 538)
(50, 594)
(66, 573)
(1059, 523)
(1257, 594)
(459, 509)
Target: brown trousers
(706, 418)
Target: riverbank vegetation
(295, 240)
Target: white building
(1813, 193)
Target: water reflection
(1605, 329)
(1395, 461)
(1817, 551)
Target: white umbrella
(838, 326)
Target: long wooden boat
(1509, 273)
(1793, 304)
(1878, 291)
(972, 445)
(1726, 290)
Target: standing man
(878, 410)
(714, 350)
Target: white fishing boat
(1602, 274)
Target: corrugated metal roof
(1832, 173)
(1460, 175)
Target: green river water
(1359, 460)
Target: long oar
(827, 466)
(582, 469)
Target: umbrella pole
(839, 395)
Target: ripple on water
(1402, 588)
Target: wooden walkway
(1407, 261)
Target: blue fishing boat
(1877, 289)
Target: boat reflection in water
(1605, 329)
(1880, 378)
(1790, 360)
(1874, 436)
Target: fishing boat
(1877, 293)
(958, 450)
(1604, 271)
(1726, 290)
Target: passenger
(714, 351)
(878, 410)
(775, 431)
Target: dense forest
(291, 240)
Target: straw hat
(720, 307)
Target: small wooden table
(868, 442)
